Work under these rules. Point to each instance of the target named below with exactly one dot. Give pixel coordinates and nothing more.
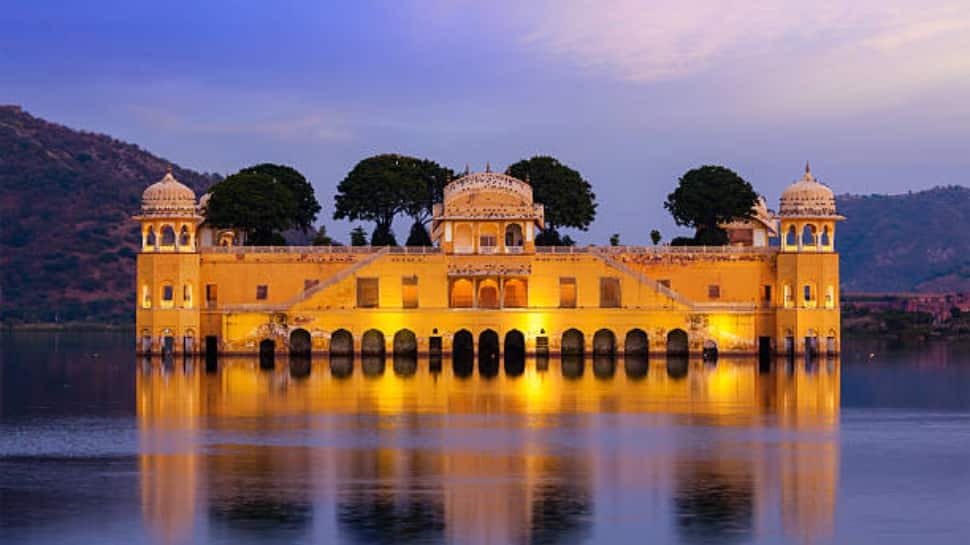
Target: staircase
(337, 277)
(642, 278)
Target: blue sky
(630, 93)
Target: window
(808, 235)
(767, 294)
(168, 235)
(367, 293)
(516, 293)
(830, 297)
(262, 292)
(187, 296)
(310, 283)
(826, 239)
(168, 295)
(487, 241)
(211, 295)
(567, 293)
(788, 296)
(513, 235)
(184, 236)
(791, 239)
(610, 292)
(808, 293)
(150, 238)
(146, 297)
(713, 291)
(665, 283)
(409, 292)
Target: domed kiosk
(807, 214)
(168, 216)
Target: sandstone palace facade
(485, 285)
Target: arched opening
(808, 235)
(146, 341)
(604, 366)
(464, 244)
(513, 237)
(463, 353)
(168, 235)
(573, 343)
(488, 353)
(830, 297)
(227, 239)
(462, 293)
(791, 237)
(341, 343)
(514, 353)
(677, 343)
(831, 346)
(267, 353)
(299, 366)
(811, 344)
(487, 293)
(146, 296)
(787, 296)
(184, 237)
(677, 366)
(572, 366)
(300, 345)
(515, 293)
(826, 238)
(487, 239)
(809, 297)
(150, 240)
(372, 343)
(405, 361)
(710, 350)
(635, 344)
(187, 295)
(188, 342)
(604, 343)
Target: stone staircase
(342, 275)
(642, 278)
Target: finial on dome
(467, 170)
(808, 169)
(488, 167)
(168, 170)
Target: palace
(485, 286)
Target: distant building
(939, 305)
(487, 285)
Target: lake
(100, 446)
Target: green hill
(913, 242)
(67, 242)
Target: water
(98, 446)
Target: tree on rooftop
(358, 237)
(257, 203)
(568, 199)
(706, 197)
(418, 236)
(307, 206)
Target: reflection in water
(412, 455)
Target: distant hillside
(67, 242)
(912, 242)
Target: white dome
(168, 196)
(807, 197)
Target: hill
(913, 242)
(67, 242)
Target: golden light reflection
(485, 480)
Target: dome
(488, 186)
(807, 197)
(168, 196)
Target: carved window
(610, 292)
(409, 292)
(462, 293)
(262, 292)
(368, 294)
(211, 295)
(567, 292)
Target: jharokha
(486, 285)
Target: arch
(168, 295)
(146, 341)
(462, 293)
(267, 353)
(405, 360)
(487, 238)
(791, 238)
(604, 366)
(787, 296)
(372, 364)
(168, 235)
(677, 366)
(188, 341)
(146, 296)
(464, 243)
(677, 343)
(573, 343)
(184, 237)
(300, 344)
(341, 343)
(372, 343)
(831, 343)
(405, 343)
(830, 296)
(227, 239)
(636, 344)
(515, 293)
(604, 343)
(826, 238)
(809, 295)
(710, 350)
(488, 353)
(514, 353)
(488, 293)
(572, 366)
(513, 236)
(463, 353)
(809, 235)
(150, 240)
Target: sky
(874, 93)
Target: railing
(343, 250)
(658, 250)
(513, 249)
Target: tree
(307, 206)
(568, 241)
(321, 238)
(381, 187)
(568, 199)
(257, 203)
(707, 197)
(418, 236)
(615, 239)
(382, 236)
(358, 237)
(655, 236)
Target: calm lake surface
(99, 446)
